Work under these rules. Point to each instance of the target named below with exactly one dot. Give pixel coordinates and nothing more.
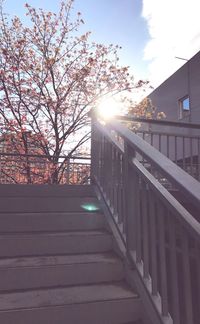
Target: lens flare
(108, 108)
(90, 207)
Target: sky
(152, 33)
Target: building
(179, 96)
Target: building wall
(185, 81)
(166, 98)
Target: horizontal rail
(183, 150)
(46, 156)
(42, 169)
(181, 213)
(158, 122)
(184, 182)
(171, 134)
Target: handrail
(180, 147)
(153, 132)
(161, 237)
(46, 156)
(184, 182)
(42, 169)
(158, 122)
(183, 215)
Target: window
(184, 107)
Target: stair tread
(21, 190)
(54, 213)
(21, 235)
(45, 204)
(40, 261)
(65, 296)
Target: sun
(108, 108)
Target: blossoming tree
(50, 77)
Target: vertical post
(175, 149)
(162, 258)
(159, 142)
(187, 277)
(68, 170)
(174, 271)
(145, 204)
(191, 156)
(129, 220)
(198, 159)
(184, 166)
(167, 145)
(153, 243)
(92, 166)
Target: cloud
(174, 30)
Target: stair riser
(17, 190)
(60, 275)
(31, 222)
(52, 245)
(45, 204)
(112, 312)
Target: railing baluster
(197, 259)
(145, 206)
(187, 278)
(111, 180)
(162, 257)
(131, 221)
(133, 204)
(191, 156)
(117, 184)
(184, 167)
(153, 244)
(175, 149)
(198, 159)
(173, 271)
(112, 183)
(167, 145)
(124, 183)
(151, 137)
(159, 143)
(138, 221)
(119, 194)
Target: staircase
(124, 250)
(57, 263)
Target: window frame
(184, 112)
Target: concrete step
(60, 221)
(63, 270)
(47, 204)
(52, 243)
(92, 304)
(135, 322)
(17, 190)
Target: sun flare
(108, 108)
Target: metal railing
(161, 237)
(42, 169)
(179, 141)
